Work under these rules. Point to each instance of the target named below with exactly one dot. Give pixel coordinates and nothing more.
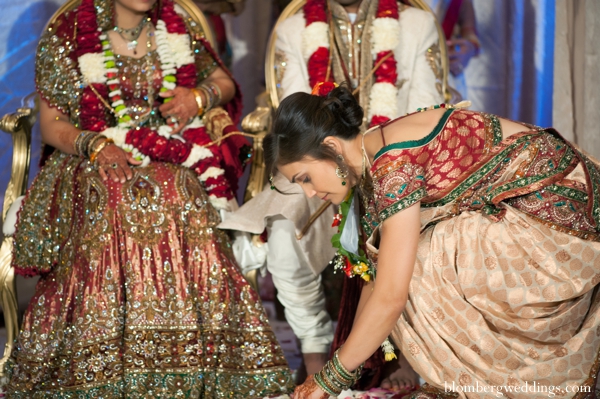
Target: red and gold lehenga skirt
(139, 296)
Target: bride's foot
(399, 375)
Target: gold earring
(341, 174)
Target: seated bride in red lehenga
(139, 295)
(480, 244)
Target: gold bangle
(89, 149)
(199, 101)
(96, 151)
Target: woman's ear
(334, 143)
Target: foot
(399, 375)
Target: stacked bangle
(97, 150)
(199, 101)
(212, 93)
(216, 90)
(334, 377)
(82, 142)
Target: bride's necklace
(132, 35)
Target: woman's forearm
(384, 305)
(371, 327)
(365, 294)
(226, 85)
(56, 129)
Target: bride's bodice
(140, 80)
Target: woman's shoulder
(56, 62)
(408, 132)
(62, 27)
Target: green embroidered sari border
(500, 193)
(417, 143)
(404, 203)
(594, 176)
(496, 128)
(567, 192)
(477, 176)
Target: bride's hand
(113, 163)
(181, 109)
(309, 390)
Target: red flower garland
(94, 115)
(315, 11)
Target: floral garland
(350, 263)
(385, 37)
(97, 65)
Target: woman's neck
(353, 154)
(126, 18)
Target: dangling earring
(339, 172)
(271, 181)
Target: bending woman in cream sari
(482, 236)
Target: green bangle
(320, 380)
(339, 377)
(340, 367)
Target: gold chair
(258, 122)
(19, 124)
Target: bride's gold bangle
(97, 150)
(199, 101)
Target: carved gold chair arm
(18, 125)
(257, 122)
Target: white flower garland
(314, 36)
(385, 36)
(174, 51)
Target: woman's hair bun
(344, 107)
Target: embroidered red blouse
(465, 161)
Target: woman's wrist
(94, 153)
(82, 142)
(212, 94)
(335, 377)
(472, 37)
(199, 101)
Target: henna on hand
(113, 163)
(309, 390)
(183, 107)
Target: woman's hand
(181, 109)
(113, 163)
(460, 52)
(309, 390)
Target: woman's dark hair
(303, 121)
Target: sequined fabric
(144, 299)
(505, 286)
